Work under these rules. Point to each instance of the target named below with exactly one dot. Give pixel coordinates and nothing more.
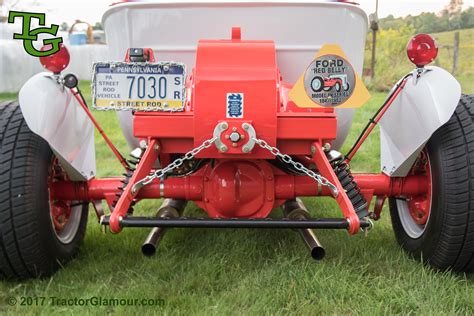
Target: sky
(91, 10)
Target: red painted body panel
(234, 66)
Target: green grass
(205, 271)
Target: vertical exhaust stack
(296, 210)
(169, 208)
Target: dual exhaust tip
(292, 209)
(296, 210)
(169, 208)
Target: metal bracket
(252, 136)
(418, 72)
(223, 126)
(218, 130)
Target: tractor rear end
(229, 132)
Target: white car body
(298, 28)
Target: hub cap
(414, 211)
(65, 215)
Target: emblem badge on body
(329, 81)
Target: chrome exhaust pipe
(169, 208)
(296, 210)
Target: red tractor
(336, 82)
(232, 124)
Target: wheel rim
(65, 215)
(414, 211)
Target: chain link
(297, 165)
(208, 143)
(175, 164)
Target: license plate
(139, 86)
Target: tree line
(432, 22)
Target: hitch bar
(322, 223)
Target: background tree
(97, 26)
(64, 27)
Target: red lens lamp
(422, 50)
(56, 62)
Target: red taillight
(422, 50)
(56, 62)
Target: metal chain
(297, 165)
(208, 143)
(175, 164)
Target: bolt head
(143, 144)
(234, 137)
(245, 149)
(234, 145)
(245, 126)
(224, 125)
(234, 129)
(313, 149)
(223, 148)
(327, 147)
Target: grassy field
(204, 271)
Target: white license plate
(139, 86)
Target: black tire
(321, 84)
(29, 245)
(447, 241)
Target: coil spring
(127, 175)
(342, 170)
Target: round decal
(329, 80)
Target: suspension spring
(343, 172)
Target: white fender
(52, 112)
(423, 106)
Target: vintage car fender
(52, 112)
(424, 105)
